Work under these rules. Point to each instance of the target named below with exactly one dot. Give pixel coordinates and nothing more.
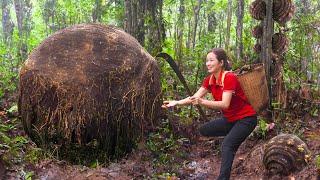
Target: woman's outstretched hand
(168, 104)
(196, 100)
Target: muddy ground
(194, 157)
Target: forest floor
(189, 157)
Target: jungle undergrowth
(165, 148)
(16, 149)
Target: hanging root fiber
(89, 88)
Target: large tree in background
(239, 41)
(49, 14)
(229, 18)
(179, 33)
(196, 10)
(7, 24)
(155, 26)
(97, 11)
(144, 21)
(24, 22)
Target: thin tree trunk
(97, 11)
(305, 6)
(212, 20)
(49, 16)
(128, 17)
(196, 19)
(7, 24)
(221, 30)
(307, 53)
(188, 42)
(229, 17)
(180, 28)
(23, 14)
(240, 13)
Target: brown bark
(229, 18)
(239, 44)
(266, 44)
(134, 22)
(196, 19)
(212, 20)
(154, 27)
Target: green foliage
(318, 161)
(12, 146)
(13, 109)
(29, 175)
(262, 128)
(162, 144)
(166, 175)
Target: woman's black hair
(222, 56)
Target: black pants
(235, 133)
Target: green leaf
(29, 175)
(13, 109)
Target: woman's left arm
(224, 104)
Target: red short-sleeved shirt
(239, 106)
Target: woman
(239, 118)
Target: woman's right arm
(199, 94)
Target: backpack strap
(223, 76)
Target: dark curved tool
(175, 68)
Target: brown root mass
(92, 86)
(280, 43)
(258, 9)
(257, 48)
(283, 11)
(285, 153)
(257, 32)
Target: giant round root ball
(89, 86)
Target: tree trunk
(196, 19)
(7, 24)
(97, 11)
(306, 54)
(49, 16)
(188, 42)
(212, 20)
(221, 30)
(154, 26)
(229, 17)
(266, 44)
(180, 27)
(239, 44)
(305, 6)
(23, 14)
(134, 22)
